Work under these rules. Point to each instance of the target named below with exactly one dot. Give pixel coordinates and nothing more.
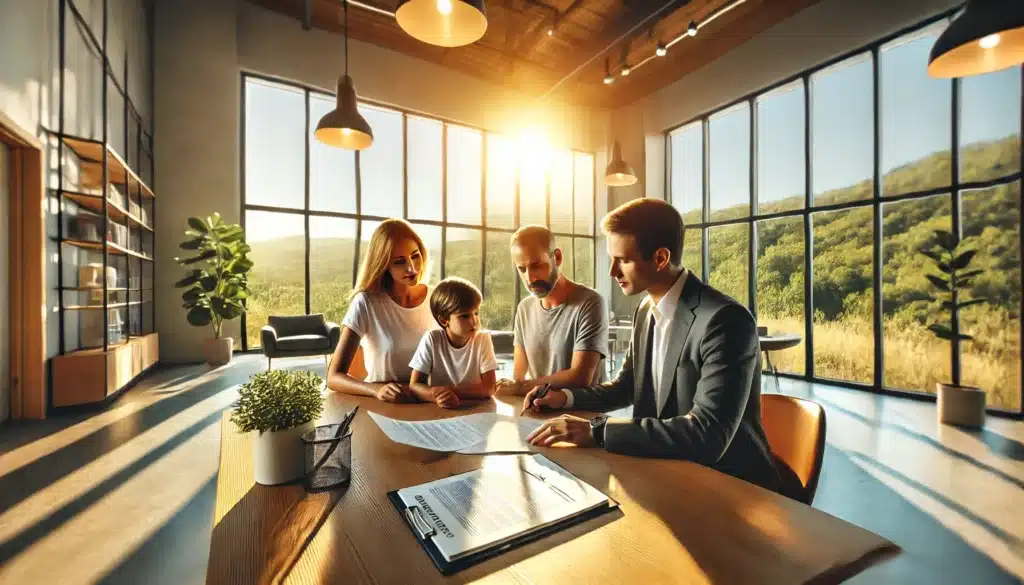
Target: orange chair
(796, 436)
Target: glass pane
(914, 358)
(729, 137)
(843, 313)
(275, 165)
(425, 181)
(780, 149)
(277, 282)
(533, 185)
(991, 224)
(780, 285)
(990, 125)
(380, 166)
(431, 236)
(693, 251)
(501, 182)
(332, 171)
(463, 254)
(842, 132)
(465, 163)
(686, 184)
(584, 260)
(916, 129)
(583, 193)
(568, 262)
(499, 292)
(727, 260)
(561, 191)
(332, 249)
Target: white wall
(823, 31)
(203, 46)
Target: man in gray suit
(693, 368)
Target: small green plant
(215, 293)
(278, 400)
(953, 261)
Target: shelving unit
(106, 239)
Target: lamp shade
(344, 126)
(618, 173)
(987, 36)
(445, 23)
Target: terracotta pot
(960, 405)
(218, 351)
(279, 457)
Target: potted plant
(957, 404)
(214, 293)
(280, 405)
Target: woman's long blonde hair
(374, 275)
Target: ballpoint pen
(540, 394)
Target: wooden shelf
(111, 247)
(91, 151)
(94, 203)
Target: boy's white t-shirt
(388, 333)
(454, 366)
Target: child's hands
(391, 392)
(444, 397)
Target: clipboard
(423, 532)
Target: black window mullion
(515, 223)
(444, 196)
(956, 364)
(808, 234)
(752, 230)
(706, 198)
(876, 239)
(306, 214)
(483, 214)
(359, 212)
(405, 165)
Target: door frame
(27, 272)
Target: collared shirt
(663, 312)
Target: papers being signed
(476, 433)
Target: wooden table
(679, 522)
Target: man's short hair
(653, 223)
(534, 235)
(453, 295)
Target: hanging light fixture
(618, 173)
(445, 23)
(661, 50)
(344, 126)
(987, 36)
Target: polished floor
(126, 495)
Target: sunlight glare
(534, 151)
(444, 7)
(989, 42)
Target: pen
(540, 394)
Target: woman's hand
(444, 397)
(391, 392)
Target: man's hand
(566, 428)
(391, 392)
(554, 399)
(444, 397)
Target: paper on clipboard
(479, 433)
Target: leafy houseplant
(957, 404)
(281, 405)
(215, 291)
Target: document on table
(507, 498)
(473, 434)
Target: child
(458, 358)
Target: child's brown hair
(452, 295)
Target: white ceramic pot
(961, 405)
(279, 457)
(218, 351)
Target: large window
(309, 209)
(819, 194)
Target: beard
(542, 288)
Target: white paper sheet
(479, 433)
(509, 496)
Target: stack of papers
(472, 434)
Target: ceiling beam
(307, 15)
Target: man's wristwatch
(597, 425)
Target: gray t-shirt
(550, 336)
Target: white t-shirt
(388, 333)
(454, 366)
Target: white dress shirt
(663, 311)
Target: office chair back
(796, 435)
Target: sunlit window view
(464, 190)
(913, 191)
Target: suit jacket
(709, 410)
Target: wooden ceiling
(517, 51)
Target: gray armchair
(298, 336)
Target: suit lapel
(641, 333)
(682, 320)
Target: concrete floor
(126, 495)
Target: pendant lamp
(445, 23)
(344, 126)
(618, 173)
(987, 36)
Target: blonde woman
(387, 316)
